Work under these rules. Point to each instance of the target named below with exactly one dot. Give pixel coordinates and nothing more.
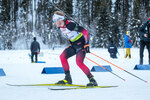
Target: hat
(128, 32)
(34, 38)
(58, 17)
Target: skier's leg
(79, 60)
(68, 52)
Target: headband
(58, 17)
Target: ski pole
(105, 69)
(118, 67)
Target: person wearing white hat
(79, 46)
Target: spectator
(35, 50)
(144, 32)
(112, 49)
(128, 45)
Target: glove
(87, 48)
(130, 40)
(38, 53)
(146, 35)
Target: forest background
(21, 20)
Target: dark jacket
(127, 41)
(112, 48)
(144, 29)
(35, 46)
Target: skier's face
(59, 23)
(128, 34)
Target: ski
(45, 85)
(83, 87)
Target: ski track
(19, 70)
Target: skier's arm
(86, 37)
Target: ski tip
(124, 80)
(146, 82)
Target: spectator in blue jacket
(128, 45)
(112, 49)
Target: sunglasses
(54, 21)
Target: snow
(19, 70)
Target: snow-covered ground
(19, 70)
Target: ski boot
(92, 81)
(129, 56)
(66, 80)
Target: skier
(79, 46)
(35, 49)
(128, 45)
(112, 49)
(144, 32)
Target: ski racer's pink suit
(78, 37)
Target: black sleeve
(74, 26)
(71, 26)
